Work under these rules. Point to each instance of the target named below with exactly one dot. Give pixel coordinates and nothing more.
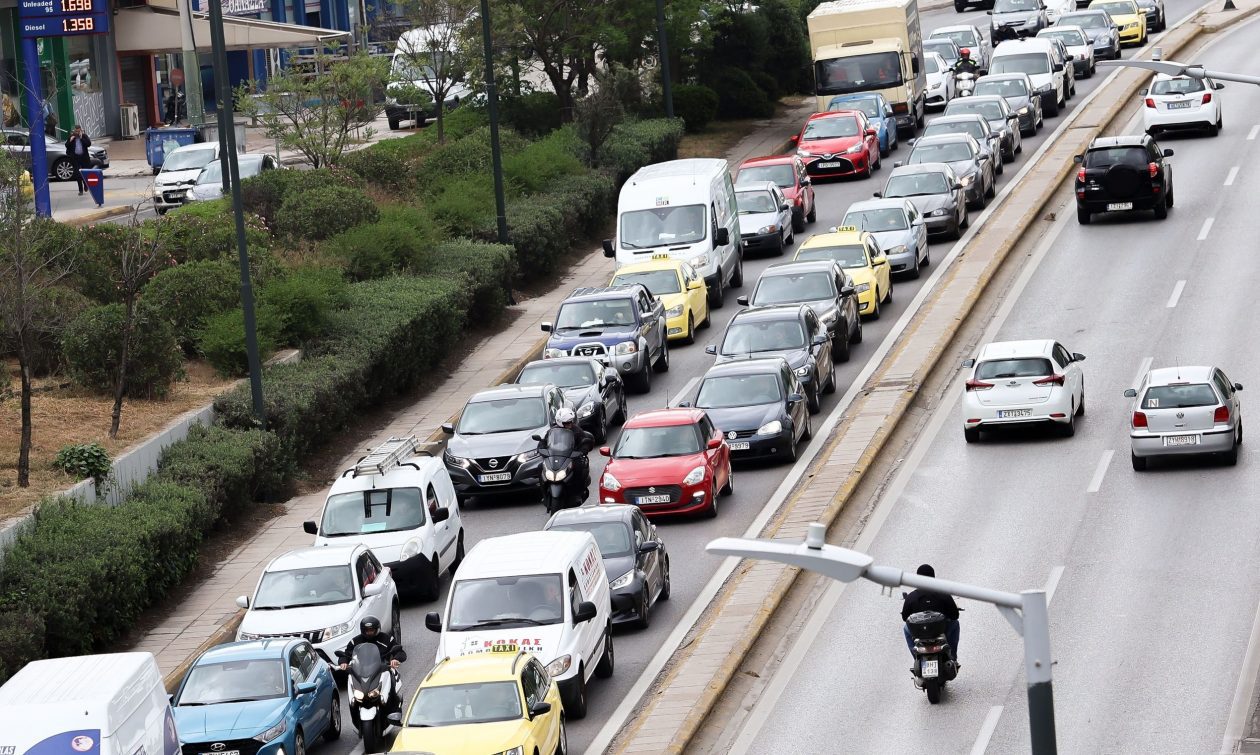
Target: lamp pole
(492, 101)
(192, 68)
(662, 51)
(1173, 68)
(231, 175)
(1026, 612)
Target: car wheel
(665, 586)
(622, 411)
(809, 429)
(333, 732)
(927, 257)
(840, 351)
(431, 591)
(960, 7)
(790, 453)
(1139, 462)
(728, 490)
(1080, 408)
(1093, 68)
(913, 272)
(1161, 209)
(608, 661)
(798, 222)
(1215, 128)
(711, 511)
(395, 623)
(1172, 197)
(690, 338)
(831, 379)
(644, 621)
(889, 293)
(875, 306)
(971, 434)
(394, 123)
(562, 743)
(641, 381)
(1001, 168)
(601, 426)
(717, 294)
(299, 744)
(459, 552)
(575, 702)
(813, 399)
(992, 190)
(1054, 108)
(63, 170)
(813, 213)
(1069, 429)
(737, 279)
(866, 172)
(160, 210)
(1084, 216)
(662, 362)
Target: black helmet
(370, 626)
(926, 570)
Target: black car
(825, 287)
(792, 331)
(759, 404)
(1123, 173)
(935, 191)
(594, 389)
(634, 556)
(492, 450)
(1156, 18)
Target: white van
(545, 592)
(410, 70)
(114, 704)
(686, 208)
(1045, 64)
(402, 506)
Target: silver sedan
(1185, 411)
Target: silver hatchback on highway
(1181, 411)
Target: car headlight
(700, 260)
(768, 229)
(829, 316)
(967, 179)
(410, 550)
(559, 665)
(555, 475)
(674, 311)
(626, 347)
(609, 482)
(554, 353)
(855, 148)
(804, 153)
(621, 581)
(586, 410)
(358, 694)
(942, 212)
(898, 249)
(525, 456)
(802, 371)
(694, 476)
(454, 461)
(1024, 110)
(771, 428)
(336, 631)
(244, 636)
(1044, 89)
(862, 288)
(273, 732)
(518, 750)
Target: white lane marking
(1240, 709)
(1251, 135)
(1097, 480)
(986, 730)
(1176, 294)
(685, 390)
(1206, 229)
(1052, 584)
(1233, 173)
(1143, 368)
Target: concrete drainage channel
(671, 703)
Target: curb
(99, 215)
(886, 401)
(223, 634)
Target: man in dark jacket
(930, 600)
(77, 150)
(391, 652)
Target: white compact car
(1180, 411)
(1023, 382)
(1182, 103)
(180, 169)
(321, 594)
(765, 218)
(940, 80)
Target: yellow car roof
(497, 665)
(658, 262)
(843, 235)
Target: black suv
(621, 326)
(791, 331)
(823, 285)
(1122, 173)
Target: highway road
(1151, 575)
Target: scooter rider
(930, 600)
(966, 64)
(370, 633)
(583, 441)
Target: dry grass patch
(67, 414)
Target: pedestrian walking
(77, 149)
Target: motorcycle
(964, 84)
(934, 663)
(565, 470)
(373, 695)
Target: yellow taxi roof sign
(504, 647)
(661, 256)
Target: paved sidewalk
(208, 613)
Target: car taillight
(1150, 103)
(901, 107)
(1052, 380)
(978, 385)
(1153, 169)
(1080, 175)
(1207, 98)
(1139, 419)
(1221, 415)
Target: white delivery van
(113, 704)
(400, 503)
(687, 209)
(545, 592)
(411, 70)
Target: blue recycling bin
(94, 179)
(158, 142)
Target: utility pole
(192, 68)
(492, 98)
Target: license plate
(495, 477)
(739, 445)
(1011, 413)
(1181, 440)
(225, 752)
(1179, 105)
(1119, 206)
(931, 669)
(828, 165)
(652, 499)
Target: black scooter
(934, 662)
(565, 470)
(373, 691)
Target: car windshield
(613, 538)
(962, 37)
(729, 391)
(857, 73)
(754, 202)
(1115, 9)
(565, 374)
(187, 159)
(1014, 6)
(1134, 157)
(459, 704)
(944, 48)
(783, 176)
(830, 128)
(990, 111)
(378, 510)
(1179, 396)
(971, 128)
(868, 105)
(1003, 88)
(600, 313)
(503, 602)
(657, 442)
(213, 173)
(1031, 63)
(503, 415)
(848, 255)
(789, 288)
(1087, 21)
(662, 226)
(301, 588)
(996, 369)
(1176, 86)
(951, 152)
(657, 282)
(916, 185)
(758, 336)
(883, 219)
(234, 682)
(1069, 37)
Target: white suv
(1023, 382)
(1182, 102)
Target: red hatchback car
(789, 174)
(838, 143)
(668, 461)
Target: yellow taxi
(679, 287)
(501, 702)
(1128, 17)
(859, 254)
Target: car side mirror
(1218, 86)
(878, 195)
(819, 340)
(1071, 57)
(372, 589)
(609, 250)
(741, 301)
(649, 546)
(242, 601)
(433, 621)
(1238, 386)
(917, 221)
(305, 688)
(872, 132)
(722, 237)
(310, 528)
(441, 514)
(880, 260)
(448, 428)
(585, 612)
(785, 206)
(536, 436)
(1130, 393)
(684, 404)
(807, 181)
(969, 363)
(1078, 159)
(795, 398)
(695, 285)
(545, 327)
(395, 719)
(1078, 357)
(848, 291)
(539, 709)
(714, 443)
(710, 349)
(605, 451)
(888, 112)
(898, 164)
(1168, 153)
(914, 64)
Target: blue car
(877, 110)
(263, 697)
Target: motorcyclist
(966, 64)
(370, 634)
(583, 442)
(930, 600)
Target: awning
(155, 28)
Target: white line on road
(1052, 584)
(1251, 135)
(986, 730)
(1176, 294)
(1240, 709)
(1233, 173)
(1206, 229)
(1097, 480)
(1143, 368)
(685, 390)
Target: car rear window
(1179, 396)
(1176, 86)
(1013, 368)
(1107, 156)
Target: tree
(598, 114)
(432, 54)
(31, 265)
(315, 108)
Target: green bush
(533, 114)
(635, 144)
(321, 212)
(84, 460)
(464, 120)
(187, 294)
(222, 339)
(263, 194)
(230, 467)
(468, 155)
(391, 169)
(534, 168)
(93, 342)
(488, 270)
(207, 231)
(54, 307)
(696, 105)
(383, 248)
(463, 203)
(302, 301)
(21, 639)
(739, 96)
(588, 201)
(768, 84)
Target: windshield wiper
(500, 622)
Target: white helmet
(565, 416)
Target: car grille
(311, 637)
(494, 464)
(217, 746)
(589, 350)
(674, 492)
(739, 434)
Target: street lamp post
(662, 51)
(492, 102)
(1026, 612)
(1173, 68)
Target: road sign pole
(35, 109)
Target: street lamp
(1026, 612)
(1173, 68)
(492, 103)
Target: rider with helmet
(583, 441)
(966, 64)
(370, 633)
(930, 600)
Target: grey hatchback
(1185, 411)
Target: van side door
(586, 636)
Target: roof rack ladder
(388, 454)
